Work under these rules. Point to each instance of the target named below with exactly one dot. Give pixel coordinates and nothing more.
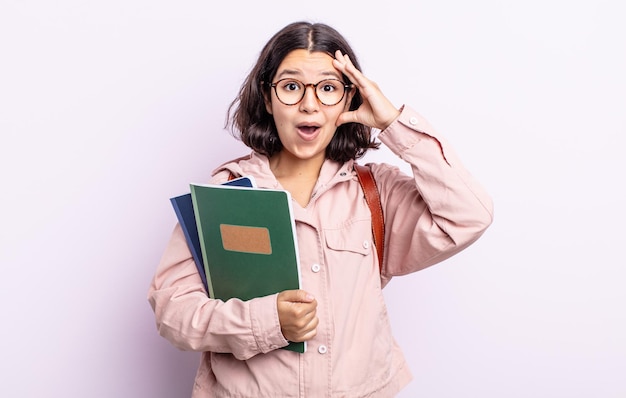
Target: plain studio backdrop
(107, 109)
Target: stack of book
(242, 239)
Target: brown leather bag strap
(372, 197)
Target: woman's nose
(309, 102)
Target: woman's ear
(267, 98)
(349, 96)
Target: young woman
(306, 111)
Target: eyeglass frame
(346, 88)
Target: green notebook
(248, 242)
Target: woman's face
(306, 128)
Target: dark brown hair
(247, 113)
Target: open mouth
(308, 132)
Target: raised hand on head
(376, 110)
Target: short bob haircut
(247, 113)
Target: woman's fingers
(376, 111)
(345, 65)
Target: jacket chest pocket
(354, 236)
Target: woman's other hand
(297, 315)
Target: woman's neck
(285, 166)
(298, 176)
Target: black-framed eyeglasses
(329, 92)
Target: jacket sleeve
(437, 213)
(190, 320)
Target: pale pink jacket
(428, 217)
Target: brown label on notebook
(240, 238)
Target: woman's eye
(329, 87)
(292, 86)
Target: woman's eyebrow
(293, 72)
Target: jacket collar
(258, 166)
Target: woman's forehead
(301, 62)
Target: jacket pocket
(353, 236)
